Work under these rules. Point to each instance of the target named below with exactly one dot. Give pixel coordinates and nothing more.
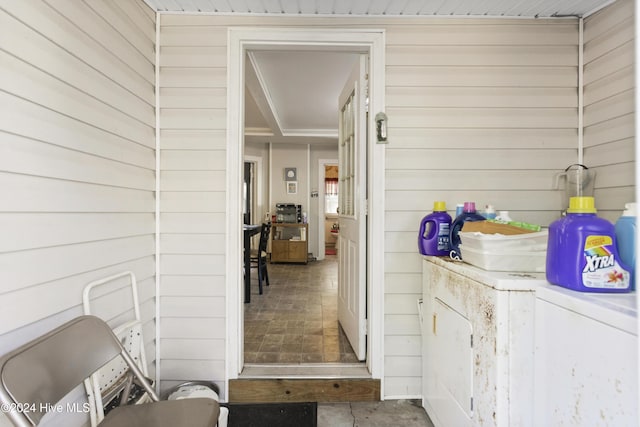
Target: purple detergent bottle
(433, 237)
(582, 252)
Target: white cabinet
(586, 360)
(478, 341)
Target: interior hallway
(295, 320)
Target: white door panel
(352, 209)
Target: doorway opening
(240, 42)
(328, 212)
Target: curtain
(331, 186)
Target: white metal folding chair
(111, 385)
(35, 377)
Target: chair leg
(266, 273)
(259, 279)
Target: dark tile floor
(295, 320)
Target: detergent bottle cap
(582, 204)
(630, 209)
(469, 207)
(439, 206)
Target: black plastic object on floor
(272, 414)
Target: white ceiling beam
(256, 85)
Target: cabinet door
(586, 371)
(298, 251)
(279, 250)
(452, 366)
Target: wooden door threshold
(305, 371)
(268, 390)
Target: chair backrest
(108, 382)
(264, 238)
(41, 372)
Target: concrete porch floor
(405, 413)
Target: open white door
(352, 208)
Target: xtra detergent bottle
(468, 214)
(626, 235)
(582, 252)
(433, 237)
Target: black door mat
(272, 414)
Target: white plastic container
(524, 261)
(528, 242)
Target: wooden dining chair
(259, 256)
(35, 377)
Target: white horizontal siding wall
(77, 163)
(479, 110)
(609, 111)
(193, 206)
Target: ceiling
(525, 8)
(292, 96)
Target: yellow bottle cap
(439, 206)
(582, 205)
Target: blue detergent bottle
(433, 237)
(468, 214)
(626, 235)
(582, 251)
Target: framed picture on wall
(292, 187)
(290, 174)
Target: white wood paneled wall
(77, 162)
(479, 110)
(192, 204)
(609, 111)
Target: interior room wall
(289, 156)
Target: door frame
(258, 202)
(241, 39)
(321, 205)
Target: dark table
(249, 230)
